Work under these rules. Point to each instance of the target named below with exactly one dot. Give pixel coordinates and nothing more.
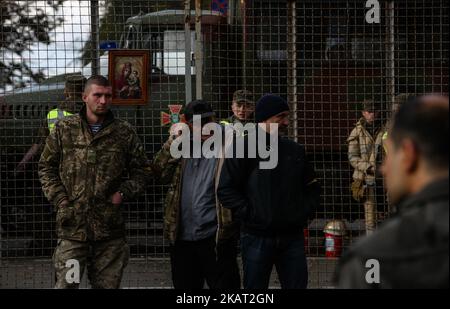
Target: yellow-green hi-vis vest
(54, 115)
(226, 123)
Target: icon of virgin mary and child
(128, 85)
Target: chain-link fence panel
(326, 58)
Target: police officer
(82, 170)
(242, 106)
(73, 90)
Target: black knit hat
(269, 105)
(198, 107)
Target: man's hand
(21, 166)
(116, 198)
(175, 130)
(34, 149)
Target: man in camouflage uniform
(202, 234)
(82, 169)
(73, 90)
(365, 146)
(242, 106)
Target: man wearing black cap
(273, 204)
(202, 234)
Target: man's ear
(410, 155)
(84, 97)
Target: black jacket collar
(436, 190)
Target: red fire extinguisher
(334, 234)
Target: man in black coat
(411, 249)
(273, 203)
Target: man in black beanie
(272, 204)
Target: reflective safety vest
(226, 123)
(54, 115)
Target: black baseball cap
(198, 107)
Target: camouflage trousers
(104, 260)
(374, 208)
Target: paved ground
(146, 273)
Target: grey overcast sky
(62, 56)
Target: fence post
(198, 51)
(292, 66)
(95, 64)
(187, 51)
(390, 52)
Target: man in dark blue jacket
(272, 204)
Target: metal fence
(323, 56)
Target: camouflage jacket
(233, 119)
(87, 170)
(169, 171)
(363, 150)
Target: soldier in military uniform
(242, 106)
(73, 90)
(82, 169)
(365, 147)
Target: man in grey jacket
(202, 234)
(411, 250)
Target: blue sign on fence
(107, 45)
(219, 6)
